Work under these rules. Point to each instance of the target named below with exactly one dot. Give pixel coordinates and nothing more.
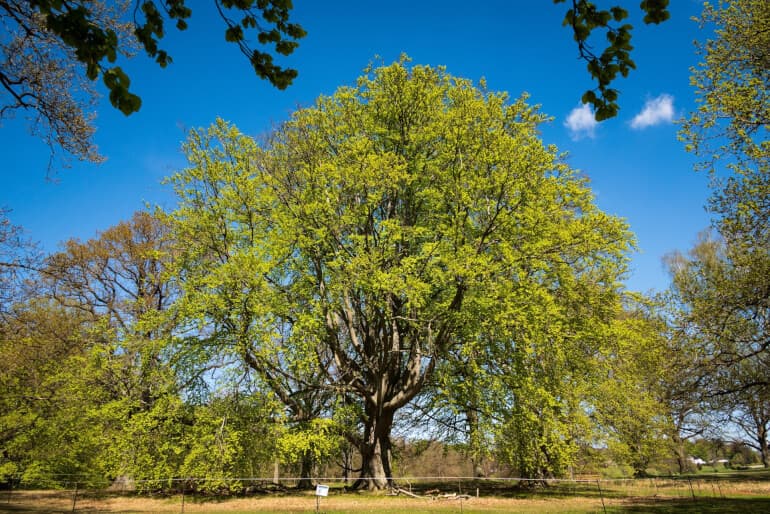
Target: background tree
(723, 282)
(19, 258)
(535, 370)
(49, 428)
(120, 280)
(627, 411)
(99, 380)
(749, 410)
(720, 288)
(652, 402)
(52, 51)
(725, 305)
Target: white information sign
(322, 490)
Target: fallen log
(453, 496)
(399, 490)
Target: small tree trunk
(346, 462)
(277, 472)
(762, 440)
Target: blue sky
(638, 169)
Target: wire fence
(186, 490)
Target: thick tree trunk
(639, 461)
(375, 452)
(478, 469)
(681, 457)
(305, 481)
(763, 449)
(475, 443)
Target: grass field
(726, 493)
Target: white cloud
(581, 122)
(656, 111)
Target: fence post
(75, 497)
(692, 491)
(601, 495)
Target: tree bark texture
(306, 470)
(375, 449)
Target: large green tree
(387, 221)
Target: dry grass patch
(661, 496)
(58, 501)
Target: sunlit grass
(736, 492)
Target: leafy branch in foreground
(53, 51)
(584, 18)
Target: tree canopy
(729, 130)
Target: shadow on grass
(738, 475)
(688, 506)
